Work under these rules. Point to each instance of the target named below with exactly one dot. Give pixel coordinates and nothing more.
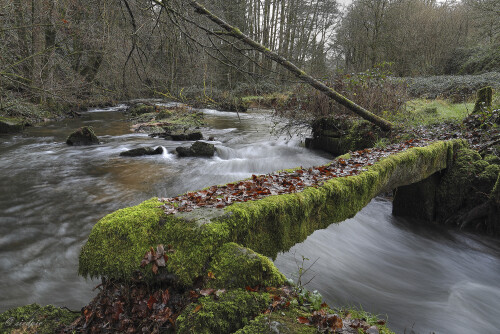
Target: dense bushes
(454, 86)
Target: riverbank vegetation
(67, 55)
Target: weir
(207, 239)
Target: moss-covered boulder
(226, 314)
(141, 108)
(11, 125)
(339, 135)
(83, 136)
(197, 149)
(35, 319)
(235, 266)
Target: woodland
(76, 52)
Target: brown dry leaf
(207, 292)
(197, 308)
(303, 320)
(152, 300)
(335, 322)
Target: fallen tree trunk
(236, 33)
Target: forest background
(57, 53)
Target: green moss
(140, 109)
(492, 159)
(160, 118)
(278, 322)
(279, 222)
(490, 173)
(237, 267)
(462, 185)
(373, 320)
(230, 312)
(119, 241)
(35, 319)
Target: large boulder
(83, 136)
(11, 125)
(137, 152)
(198, 149)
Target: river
(428, 279)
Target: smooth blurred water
(51, 194)
(424, 278)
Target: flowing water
(52, 194)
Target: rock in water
(185, 136)
(11, 125)
(198, 149)
(136, 152)
(83, 136)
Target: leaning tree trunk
(236, 33)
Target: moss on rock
(119, 241)
(235, 266)
(483, 100)
(464, 183)
(492, 159)
(278, 322)
(35, 319)
(11, 125)
(83, 136)
(226, 314)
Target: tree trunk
(236, 33)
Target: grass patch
(428, 112)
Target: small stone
(136, 152)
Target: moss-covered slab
(35, 319)
(119, 241)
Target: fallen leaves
(158, 258)
(283, 182)
(122, 308)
